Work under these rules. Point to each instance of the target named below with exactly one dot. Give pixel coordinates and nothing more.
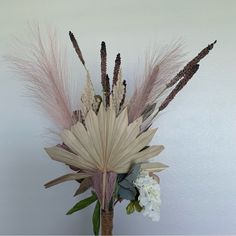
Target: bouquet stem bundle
(106, 139)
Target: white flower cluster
(149, 197)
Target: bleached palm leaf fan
(106, 140)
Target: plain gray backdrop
(198, 129)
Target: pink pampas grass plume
(44, 69)
(159, 70)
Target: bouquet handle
(107, 222)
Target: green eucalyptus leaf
(96, 218)
(120, 177)
(126, 184)
(134, 172)
(126, 194)
(82, 204)
(126, 188)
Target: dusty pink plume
(158, 71)
(45, 72)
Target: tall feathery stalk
(188, 66)
(104, 77)
(44, 70)
(159, 70)
(185, 74)
(191, 64)
(87, 97)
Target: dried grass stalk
(190, 64)
(87, 97)
(187, 76)
(76, 47)
(185, 73)
(116, 69)
(44, 70)
(118, 92)
(104, 77)
(159, 70)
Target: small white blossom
(149, 197)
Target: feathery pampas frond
(183, 76)
(159, 70)
(44, 70)
(190, 64)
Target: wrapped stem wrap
(107, 222)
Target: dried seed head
(190, 64)
(116, 69)
(188, 75)
(76, 47)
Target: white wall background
(198, 129)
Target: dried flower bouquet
(105, 140)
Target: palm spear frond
(107, 144)
(67, 177)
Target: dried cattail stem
(124, 95)
(190, 64)
(116, 69)
(76, 47)
(104, 77)
(187, 76)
